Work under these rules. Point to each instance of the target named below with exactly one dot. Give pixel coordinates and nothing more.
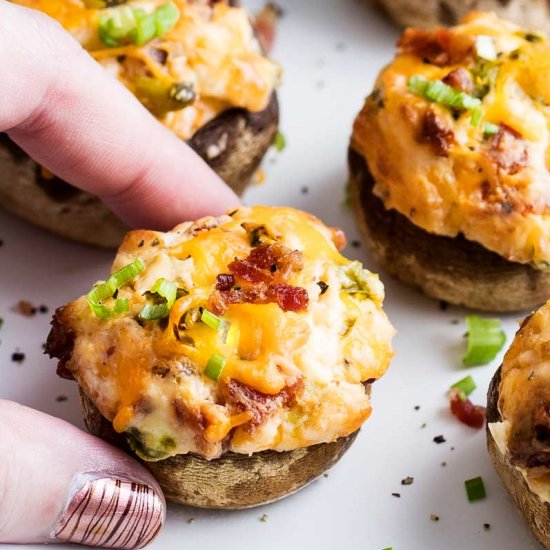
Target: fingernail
(109, 512)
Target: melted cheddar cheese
(147, 377)
(524, 402)
(437, 166)
(211, 50)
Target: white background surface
(331, 51)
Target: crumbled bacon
(261, 405)
(468, 413)
(261, 278)
(508, 150)
(225, 281)
(460, 79)
(60, 343)
(434, 132)
(265, 24)
(439, 47)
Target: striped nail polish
(110, 512)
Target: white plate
(331, 51)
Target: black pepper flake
(17, 357)
(423, 425)
(61, 398)
(323, 286)
(191, 520)
(156, 242)
(356, 244)
(486, 526)
(443, 464)
(443, 305)
(325, 474)
(305, 190)
(396, 495)
(417, 407)
(141, 243)
(531, 376)
(43, 308)
(407, 481)
(439, 439)
(434, 517)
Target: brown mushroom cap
(455, 270)
(233, 144)
(233, 481)
(533, 510)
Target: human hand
(56, 482)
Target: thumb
(58, 483)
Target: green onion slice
(166, 290)
(279, 142)
(485, 340)
(439, 92)
(107, 289)
(475, 489)
(211, 320)
(477, 114)
(485, 48)
(490, 129)
(125, 25)
(465, 386)
(215, 366)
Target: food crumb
(423, 425)
(396, 495)
(25, 308)
(452, 448)
(305, 190)
(434, 517)
(191, 520)
(443, 464)
(454, 321)
(1, 322)
(17, 357)
(486, 526)
(42, 308)
(417, 407)
(61, 398)
(407, 481)
(439, 439)
(325, 474)
(356, 244)
(264, 518)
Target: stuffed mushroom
(449, 164)
(518, 416)
(196, 65)
(233, 355)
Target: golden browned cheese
(211, 50)
(294, 375)
(524, 403)
(481, 172)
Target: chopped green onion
(439, 92)
(215, 366)
(465, 386)
(279, 142)
(485, 48)
(485, 340)
(477, 113)
(211, 320)
(475, 489)
(166, 290)
(124, 25)
(490, 129)
(107, 289)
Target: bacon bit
(439, 47)
(60, 343)
(460, 79)
(468, 413)
(436, 134)
(260, 405)
(508, 150)
(225, 281)
(288, 297)
(338, 238)
(265, 23)
(25, 308)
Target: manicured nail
(110, 512)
